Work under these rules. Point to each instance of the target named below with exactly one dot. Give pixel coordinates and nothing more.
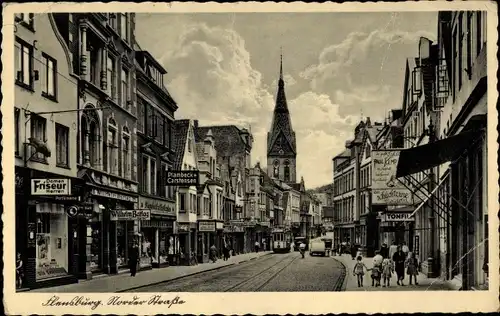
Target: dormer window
(154, 74)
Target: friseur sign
(183, 178)
(50, 187)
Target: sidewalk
(351, 284)
(124, 282)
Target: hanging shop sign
(182, 228)
(130, 215)
(183, 178)
(157, 206)
(386, 188)
(113, 195)
(206, 226)
(399, 217)
(50, 187)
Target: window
(469, 44)
(24, 64)
(189, 145)
(125, 94)
(417, 81)
(38, 132)
(163, 190)
(49, 79)
(460, 49)
(112, 149)
(152, 177)
(287, 171)
(26, 19)
(167, 126)
(124, 30)
(145, 173)
(16, 130)
(140, 115)
(479, 26)
(151, 122)
(126, 168)
(111, 77)
(62, 142)
(182, 202)
(160, 133)
(112, 20)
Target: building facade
(155, 119)
(233, 146)
(186, 159)
(48, 190)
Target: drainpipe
(431, 261)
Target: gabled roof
(228, 140)
(180, 128)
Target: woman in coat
(133, 258)
(399, 263)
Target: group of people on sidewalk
(388, 260)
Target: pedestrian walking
(226, 253)
(384, 251)
(392, 249)
(19, 271)
(387, 271)
(213, 253)
(405, 249)
(399, 262)
(257, 246)
(359, 270)
(377, 269)
(133, 258)
(412, 267)
(354, 250)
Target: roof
(328, 211)
(228, 141)
(282, 123)
(345, 153)
(181, 128)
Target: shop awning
(420, 158)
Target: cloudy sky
(339, 67)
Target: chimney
(368, 122)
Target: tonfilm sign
(50, 187)
(183, 178)
(398, 217)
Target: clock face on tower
(281, 152)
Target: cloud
(212, 80)
(361, 71)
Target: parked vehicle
(317, 248)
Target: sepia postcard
(250, 158)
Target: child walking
(412, 267)
(359, 270)
(387, 270)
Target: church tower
(281, 144)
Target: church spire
(281, 64)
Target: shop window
(125, 237)
(38, 132)
(52, 239)
(94, 232)
(24, 64)
(62, 143)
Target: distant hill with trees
(322, 189)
